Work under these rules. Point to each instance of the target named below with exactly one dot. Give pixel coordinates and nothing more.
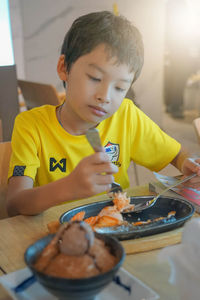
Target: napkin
(35, 291)
(184, 260)
(129, 288)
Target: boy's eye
(94, 78)
(120, 89)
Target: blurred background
(168, 89)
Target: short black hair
(121, 38)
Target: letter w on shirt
(54, 164)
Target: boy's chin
(96, 120)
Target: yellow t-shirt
(44, 151)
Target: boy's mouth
(98, 111)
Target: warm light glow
(186, 22)
(6, 48)
(193, 16)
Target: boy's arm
(23, 199)
(93, 175)
(187, 166)
(180, 158)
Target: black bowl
(76, 289)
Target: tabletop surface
(17, 233)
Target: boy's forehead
(106, 51)
(103, 54)
(121, 74)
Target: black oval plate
(184, 211)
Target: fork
(148, 204)
(93, 138)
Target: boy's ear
(61, 68)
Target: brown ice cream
(75, 252)
(76, 239)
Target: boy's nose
(103, 94)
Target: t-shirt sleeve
(25, 146)
(151, 146)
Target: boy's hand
(91, 176)
(189, 166)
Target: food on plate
(112, 215)
(170, 215)
(111, 211)
(75, 252)
(92, 220)
(109, 215)
(53, 226)
(79, 216)
(105, 221)
(122, 202)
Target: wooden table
(17, 233)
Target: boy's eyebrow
(102, 71)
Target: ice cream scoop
(76, 239)
(75, 252)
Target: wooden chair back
(5, 153)
(1, 131)
(37, 94)
(196, 124)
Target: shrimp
(109, 215)
(111, 211)
(91, 220)
(122, 202)
(106, 221)
(79, 216)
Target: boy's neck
(69, 124)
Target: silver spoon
(93, 138)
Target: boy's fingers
(194, 165)
(107, 168)
(99, 157)
(101, 163)
(105, 179)
(103, 188)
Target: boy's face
(96, 86)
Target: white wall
(17, 36)
(148, 15)
(44, 24)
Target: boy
(52, 162)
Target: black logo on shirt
(19, 170)
(60, 165)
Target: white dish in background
(139, 290)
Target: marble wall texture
(39, 27)
(17, 36)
